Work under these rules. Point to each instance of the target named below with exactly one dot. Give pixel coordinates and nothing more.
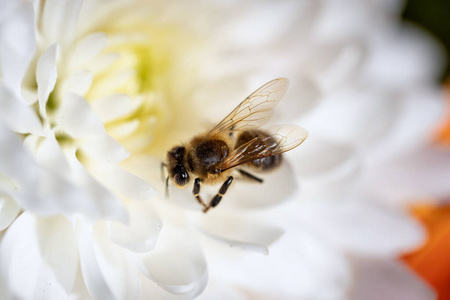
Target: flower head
(94, 93)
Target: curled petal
(93, 277)
(177, 264)
(120, 181)
(77, 118)
(46, 74)
(118, 266)
(141, 234)
(103, 148)
(240, 232)
(18, 116)
(50, 155)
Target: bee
(237, 142)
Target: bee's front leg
(216, 199)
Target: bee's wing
(281, 138)
(256, 109)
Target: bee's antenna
(167, 187)
(163, 165)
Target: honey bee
(236, 142)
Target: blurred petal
(46, 73)
(77, 118)
(113, 107)
(177, 264)
(26, 274)
(86, 49)
(326, 168)
(421, 174)
(58, 248)
(365, 229)
(78, 83)
(388, 280)
(9, 209)
(59, 19)
(17, 37)
(141, 234)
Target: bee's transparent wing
(256, 110)
(281, 138)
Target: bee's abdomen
(262, 164)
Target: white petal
(113, 107)
(59, 18)
(240, 231)
(357, 116)
(120, 181)
(177, 264)
(78, 82)
(86, 49)
(421, 174)
(332, 63)
(303, 95)
(17, 37)
(77, 118)
(9, 209)
(17, 115)
(326, 169)
(57, 244)
(101, 203)
(92, 274)
(103, 148)
(278, 186)
(50, 155)
(141, 233)
(299, 267)
(363, 228)
(46, 73)
(26, 274)
(376, 279)
(117, 265)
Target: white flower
(93, 93)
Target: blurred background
(432, 261)
(433, 16)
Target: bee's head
(176, 158)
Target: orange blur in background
(432, 261)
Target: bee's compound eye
(181, 177)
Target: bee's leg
(196, 192)
(216, 199)
(163, 165)
(250, 176)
